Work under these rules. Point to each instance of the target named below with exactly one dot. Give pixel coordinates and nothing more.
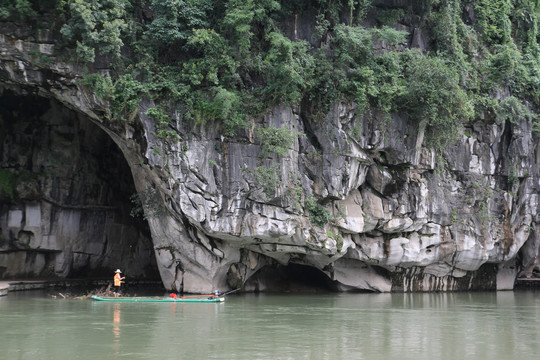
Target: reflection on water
(116, 327)
(502, 325)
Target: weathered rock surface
(402, 218)
(68, 212)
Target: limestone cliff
(397, 216)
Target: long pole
(230, 292)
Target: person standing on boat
(117, 282)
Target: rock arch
(290, 278)
(65, 196)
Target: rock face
(395, 216)
(65, 204)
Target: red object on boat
(173, 295)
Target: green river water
(497, 325)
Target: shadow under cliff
(65, 191)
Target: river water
(496, 325)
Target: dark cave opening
(65, 190)
(291, 278)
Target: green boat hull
(161, 299)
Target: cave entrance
(292, 278)
(65, 191)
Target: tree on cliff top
(247, 56)
(434, 97)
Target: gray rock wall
(402, 217)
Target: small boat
(183, 299)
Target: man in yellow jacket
(117, 282)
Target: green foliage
(122, 94)
(10, 181)
(213, 59)
(513, 180)
(96, 24)
(482, 196)
(206, 83)
(356, 132)
(389, 17)
(39, 57)
(174, 22)
(353, 44)
(225, 101)
(526, 15)
(286, 66)
(386, 82)
(337, 237)
(449, 29)
(482, 212)
(322, 25)
(162, 120)
(484, 106)
(506, 67)
(101, 85)
(126, 97)
(494, 20)
(238, 21)
(19, 9)
(434, 98)
(245, 21)
(361, 75)
(513, 110)
(512, 60)
(295, 192)
(454, 217)
(230, 110)
(357, 10)
(362, 8)
(163, 82)
(388, 35)
(536, 126)
(7, 184)
(222, 105)
(339, 242)
(323, 89)
(226, 62)
(318, 215)
(352, 70)
(275, 140)
(268, 178)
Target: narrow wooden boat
(183, 299)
